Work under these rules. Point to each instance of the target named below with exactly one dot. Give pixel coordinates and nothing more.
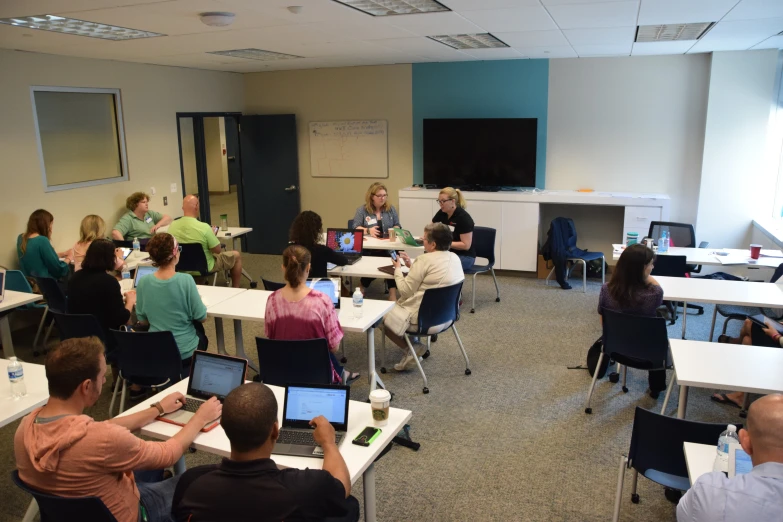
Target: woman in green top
(37, 257)
(169, 300)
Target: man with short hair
(756, 496)
(63, 452)
(188, 229)
(139, 222)
(249, 486)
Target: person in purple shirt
(632, 290)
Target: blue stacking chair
(282, 362)
(192, 259)
(62, 509)
(271, 286)
(16, 281)
(484, 244)
(55, 302)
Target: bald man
(756, 496)
(188, 229)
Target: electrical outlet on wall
(152, 191)
(165, 201)
(173, 187)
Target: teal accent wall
(492, 89)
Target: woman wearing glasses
(453, 214)
(376, 217)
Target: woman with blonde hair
(93, 227)
(37, 257)
(452, 213)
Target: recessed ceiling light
(469, 41)
(255, 54)
(672, 32)
(395, 7)
(59, 24)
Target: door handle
(292, 188)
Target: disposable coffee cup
(755, 251)
(392, 235)
(379, 402)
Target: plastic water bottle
(16, 376)
(358, 302)
(726, 440)
(663, 244)
(136, 245)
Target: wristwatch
(158, 407)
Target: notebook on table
(346, 241)
(141, 271)
(327, 285)
(211, 375)
(304, 402)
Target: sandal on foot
(726, 339)
(722, 398)
(349, 377)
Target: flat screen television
(480, 153)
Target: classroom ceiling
(326, 33)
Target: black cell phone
(366, 437)
(393, 255)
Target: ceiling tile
(474, 5)
(558, 51)
(431, 24)
(609, 36)
(563, 2)
(533, 38)
(370, 29)
(651, 48)
(603, 50)
(312, 10)
(493, 54)
(756, 9)
(534, 18)
(417, 45)
(738, 35)
(654, 12)
(605, 14)
(775, 42)
(10, 8)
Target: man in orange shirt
(61, 451)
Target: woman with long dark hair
(37, 257)
(632, 290)
(306, 231)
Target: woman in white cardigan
(436, 268)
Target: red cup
(755, 251)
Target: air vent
(470, 41)
(395, 7)
(255, 54)
(672, 32)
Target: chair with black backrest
(271, 286)
(192, 259)
(149, 359)
(438, 312)
(578, 256)
(73, 326)
(62, 509)
(670, 266)
(283, 362)
(635, 341)
(680, 235)
(484, 244)
(55, 302)
(120, 243)
(16, 281)
(350, 224)
(656, 451)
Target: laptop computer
(142, 270)
(347, 242)
(211, 375)
(739, 461)
(304, 402)
(2, 284)
(327, 285)
(408, 238)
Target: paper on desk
(330, 266)
(732, 260)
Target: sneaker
(406, 363)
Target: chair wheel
(635, 498)
(253, 284)
(383, 369)
(743, 414)
(426, 354)
(467, 371)
(433, 338)
(344, 360)
(425, 390)
(588, 410)
(497, 300)
(614, 377)
(625, 389)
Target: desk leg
(372, 376)
(221, 341)
(32, 511)
(714, 316)
(368, 481)
(5, 337)
(684, 317)
(683, 402)
(241, 344)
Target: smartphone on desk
(366, 437)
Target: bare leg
(236, 270)
(396, 339)
(739, 397)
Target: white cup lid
(380, 396)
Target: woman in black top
(453, 214)
(306, 231)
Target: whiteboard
(349, 149)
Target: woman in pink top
(296, 312)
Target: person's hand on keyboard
(172, 402)
(324, 432)
(209, 411)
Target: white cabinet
(415, 214)
(519, 236)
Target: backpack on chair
(593, 354)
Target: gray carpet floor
(509, 442)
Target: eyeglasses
(179, 248)
(443, 201)
(382, 196)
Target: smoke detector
(217, 19)
(295, 9)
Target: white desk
(233, 233)
(715, 291)
(37, 393)
(10, 301)
(251, 306)
(360, 460)
(749, 369)
(708, 256)
(213, 295)
(700, 459)
(367, 266)
(385, 244)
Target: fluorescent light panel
(255, 54)
(672, 32)
(58, 24)
(395, 7)
(469, 41)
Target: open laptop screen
(215, 376)
(327, 285)
(344, 240)
(143, 270)
(305, 402)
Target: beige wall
(353, 93)
(151, 97)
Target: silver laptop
(2, 284)
(304, 402)
(327, 285)
(141, 271)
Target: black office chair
(149, 359)
(73, 326)
(55, 302)
(484, 243)
(283, 362)
(680, 235)
(635, 341)
(192, 259)
(272, 285)
(439, 306)
(574, 256)
(671, 266)
(62, 509)
(657, 451)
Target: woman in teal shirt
(37, 257)
(169, 300)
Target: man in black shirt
(249, 486)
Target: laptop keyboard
(192, 405)
(303, 438)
